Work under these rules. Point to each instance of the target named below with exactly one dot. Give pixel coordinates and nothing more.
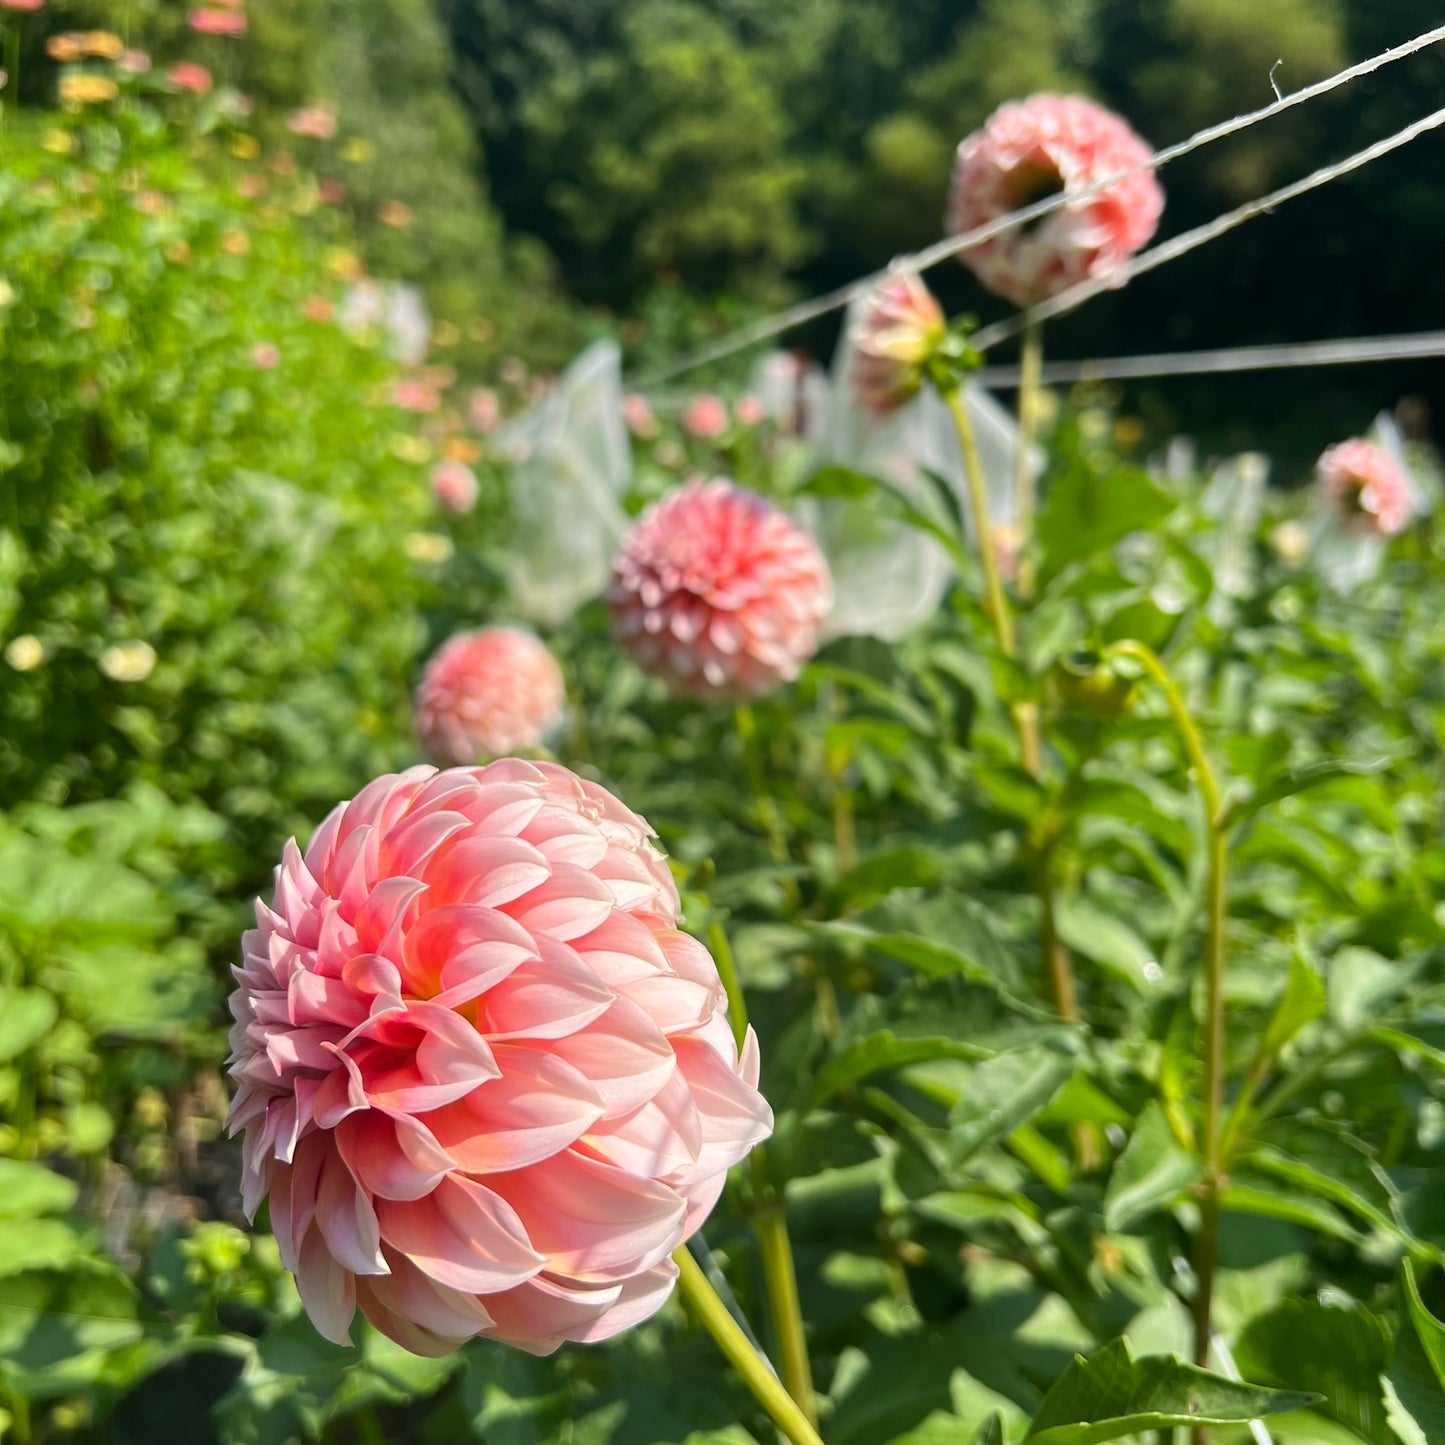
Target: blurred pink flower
(484, 409)
(316, 308)
(749, 410)
(899, 329)
(185, 75)
(1041, 147)
(706, 416)
(487, 693)
(638, 415)
(318, 122)
(414, 394)
(26, 5)
(487, 1084)
(454, 485)
(332, 193)
(134, 62)
(1366, 486)
(210, 21)
(719, 593)
(252, 186)
(265, 356)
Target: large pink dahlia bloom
(719, 592)
(1040, 147)
(1366, 486)
(487, 693)
(487, 1084)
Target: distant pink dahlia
(1366, 486)
(23, 5)
(209, 21)
(484, 409)
(487, 693)
(748, 410)
(719, 592)
(454, 485)
(316, 122)
(706, 416)
(487, 1084)
(1044, 146)
(185, 75)
(639, 417)
(900, 328)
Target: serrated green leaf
(1110, 1394)
(1150, 1174)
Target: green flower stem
(1031, 365)
(1056, 959)
(772, 817)
(769, 1220)
(784, 1411)
(1205, 779)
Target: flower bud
(901, 327)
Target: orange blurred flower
(396, 214)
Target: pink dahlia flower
(719, 592)
(1044, 146)
(749, 410)
(706, 416)
(208, 21)
(638, 415)
(900, 328)
(487, 693)
(185, 75)
(25, 5)
(315, 122)
(1366, 486)
(484, 409)
(454, 485)
(487, 1084)
(265, 356)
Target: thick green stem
(1057, 963)
(1031, 365)
(767, 1389)
(769, 1221)
(1205, 779)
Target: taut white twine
(1227, 360)
(805, 311)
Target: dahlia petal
(420, 1315)
(546, 998)
(641, 1297)
(392, 1156)
(566, 905)
(488, 871)
(663, 1135)
(538, 1106)
(593, 1221)
(463, 1235)
(347, 1220)
(544, 1313)
(623, 1054)
(463, 946)
(327, 1289)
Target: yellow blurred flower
(344, 265)
(102, 45)
(447, 333)
(357, 151)
(245, 147)
(411, 449)
(1128, 431)
(428, 547)
(58, 142)
(235, 243)
(25, 653)
(128, 661)
(79, 90)
(462, 449)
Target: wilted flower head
(487, 1084)
(900, 328)
(1044, 146)
(210, 21)
(316, 122)
(185, 75)
(706, 416)
(1366, 486)
(719, 592)
(487, 693)
(454, 485)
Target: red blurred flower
(706, 416)
(185, 75)
(210, 21)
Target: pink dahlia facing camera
(454, 485)
(1366, 486)
(706, 417)
(486, 1083)
(1046, 146)
(719, 593)
(899, 329)
(487, 693)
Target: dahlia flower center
(1035, 178)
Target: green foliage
(205, 557)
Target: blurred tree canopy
(753, 148)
